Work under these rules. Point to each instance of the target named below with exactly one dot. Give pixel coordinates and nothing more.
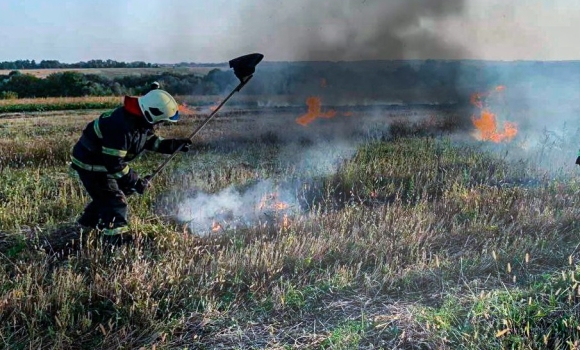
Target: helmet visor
(175, 117)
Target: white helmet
(159, 105)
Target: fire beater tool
(244, 68)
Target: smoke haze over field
(216, 30)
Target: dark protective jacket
(115, 138)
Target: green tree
(25, 85)
(73, 84)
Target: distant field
(61, 100)
(58, 103)
(43, 104)
(114, 72)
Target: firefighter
(107, 144)
(154, 86)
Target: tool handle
(201, 126)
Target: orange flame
(184, 109)
(488, 130)
(314, 111)
(476, 100)
(486, 124)
(281, 206)
(271, 201)
(215, 227)
(285, 221)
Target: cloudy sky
(285, 30)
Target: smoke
(334, 30)
(543, 100)
(318, 160)
(267, 200)
(348, 30)
(338, 31)
(236, 207)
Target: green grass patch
(540, 315)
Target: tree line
(75, 84)
(430, 81)
(54, 64)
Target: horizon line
(304, 61)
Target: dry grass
(113, 72)
(414, 243)
(199, 103)
(62, 100)
(58, 104)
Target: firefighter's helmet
(158, 106)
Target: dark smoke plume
(375, 31)
(334, 30)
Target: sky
(170, 31)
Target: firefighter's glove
(186, 144)
(578, 160)
(127, 183)
(142, 184)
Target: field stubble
(114, 72)
(417, 240)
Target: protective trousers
(108, 209)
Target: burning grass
(413, 242)
(486, 124)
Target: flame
(270, 201)
(348, 114)
(210, 109)
(184, 109)
(281, 206)
(314, 111)
(476, 100)
(215, 227)
(488, 130)
(486, 124)
(285, 221)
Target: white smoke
(268, 200)
(233, 208)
